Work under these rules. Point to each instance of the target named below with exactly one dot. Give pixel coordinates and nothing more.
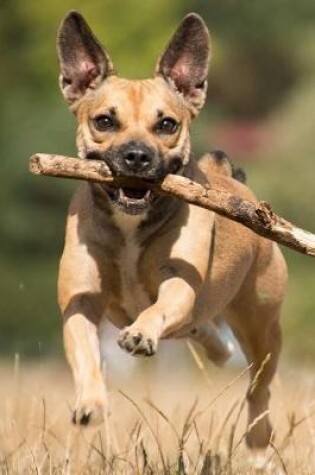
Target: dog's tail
(218, 162)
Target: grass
(160, 422)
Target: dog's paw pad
(136, 343)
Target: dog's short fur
(157, 267)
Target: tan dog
(155, 266)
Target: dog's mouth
(131, 200)
(135, 199)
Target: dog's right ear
(84, 64)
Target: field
(165, 418)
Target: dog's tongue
(134, 193)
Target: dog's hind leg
(254, 319)
(262, 352)
(208, 335)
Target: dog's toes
(89, 413)
(136, 343)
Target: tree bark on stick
(259, 217)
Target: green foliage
(34, 118)
(257, 57)
(263, 66)
(30, 323)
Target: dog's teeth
(132, 199)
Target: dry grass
(172, 425)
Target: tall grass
(156, 425)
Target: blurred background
(260, 110)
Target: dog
(155, 266)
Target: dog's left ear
(184, 64)
(84, 63)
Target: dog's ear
(184, 63)
(83, 61)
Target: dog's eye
(167, 125)
(104, 122)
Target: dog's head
(140, 128)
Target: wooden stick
(258, 217)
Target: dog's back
(238, 247)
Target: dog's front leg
(82, 300)
(179, 280)
(82, 349)
(172, 310)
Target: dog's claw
(83, 419)
(89, 413)
(136, 339)
(136, 343)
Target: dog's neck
(127, 223)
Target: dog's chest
(133, 297)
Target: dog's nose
(137, 159)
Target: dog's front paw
(136, 342)
(89, 412)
